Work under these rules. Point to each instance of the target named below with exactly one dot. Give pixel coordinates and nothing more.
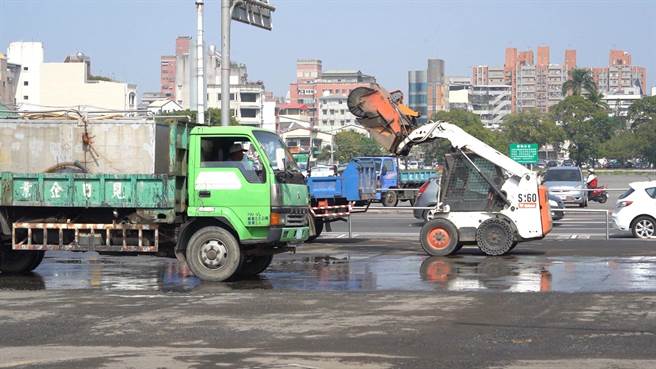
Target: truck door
(228, 179)
(388, 173)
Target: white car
(636, 210)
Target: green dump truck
(222, 199)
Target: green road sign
(524, 153)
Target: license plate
(299, 234)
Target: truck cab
(246, 180)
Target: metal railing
(412, 208)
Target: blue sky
(386, 38)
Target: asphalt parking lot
(373, 301)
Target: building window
(324, 111)
(248, 97)
(26, 68)
(25, 97)
(248, 113)
(26, 83)
(324, 122)
(332, 122)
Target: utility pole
(226, 12)
(200, 64)
(254, 12)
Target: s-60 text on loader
(485, 197)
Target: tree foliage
(470, 123)
(532, 127)
(585, 125)
(581, 80)
(350, 144)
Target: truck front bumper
(289, 234)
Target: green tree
(350, 144)
(624, 145)
(641, 118)
(581, 80)
(532, 127)
(586, 126)
(470, 123)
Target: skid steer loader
(485, 197)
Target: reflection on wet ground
(514, 273)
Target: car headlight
(553, 204)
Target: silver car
(568, 184)
(426, 197)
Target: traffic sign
(524, 153)
(254, 12)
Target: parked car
(552, 163)
(635, 210)
(568, 184)
(426, 196)
(556, 203)
(413, 164)
(568, 163)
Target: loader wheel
(19, 262)
(495, 237)
(390, 199)
(254, 265)
(439, 237)
(318, 228)
(213, 254)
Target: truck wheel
(213, 254)
(390, 199)
(495, 237)
(19, 262)
(254, 265)
(439, 237)
(318, 228)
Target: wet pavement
(355, 268)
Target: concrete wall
(34, 146)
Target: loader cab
(464, 189)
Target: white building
(246, 97)
(334, 115)
(459, 90)
(619, 101)
(29, 55)
(44, 85)
(653, 91)
(163, 106)
(491, 103)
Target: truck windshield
(272, 145)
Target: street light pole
(226, 13)
(200, 64)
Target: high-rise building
(168, 66)
(29, 55)
(459, 91)
(620, 74)
(417, 93)
(428, 91)
(322, 91)
(621, 100)
(491, 103)
(533, 85)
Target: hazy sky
(386, 38)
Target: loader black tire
(439, 237)
(213, 254)
(495, 237)
(19, 262)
